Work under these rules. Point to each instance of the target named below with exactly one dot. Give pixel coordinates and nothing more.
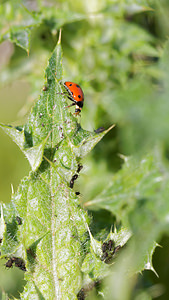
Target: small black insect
(71, 183)
(80, 167)
(104, 256)
(110, 245)
(77, 193)
(19, 220)
(104, 247)
(109, 250)
(107, 246)
(81, 295)
(99, 130)
(116, 249)
(19, 263)
(9, 263)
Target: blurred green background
(118, 52)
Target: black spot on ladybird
(77, 85)
(70, 84)
(79, 96)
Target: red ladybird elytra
(75, 94)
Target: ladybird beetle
(75, 94)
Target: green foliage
(53, 229)
(17, 22)
(118, 52)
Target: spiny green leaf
(136, 8)
(62, 16)
(148, 259)
(94, 268)
(94, 265)
(20, 36)
(33, 154)
(120, 237)
(135, 258)
(129, 7)
(138, 196)
(17, 22)
(51, 236)
(136, 181)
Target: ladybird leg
(70, 105)
(61, 94)
(77, 113)
(68, 98)
(71, 99)
(65, 95)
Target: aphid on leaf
(99, 130)
(71, 183)
(80, 167)
(9, 263)
(19, 220)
